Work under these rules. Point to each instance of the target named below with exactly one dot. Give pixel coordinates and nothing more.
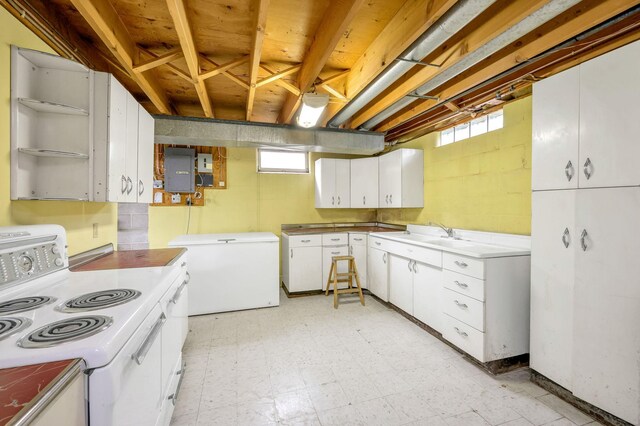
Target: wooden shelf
(53, 153)
(44, 106)
(47, 60)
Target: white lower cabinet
(301, 262)
(327, 254)
(401, 283)
(427, 294)
(378, 273)
(358, 249)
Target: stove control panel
(29, 262)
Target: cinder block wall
(133, 226)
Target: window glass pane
(495, 120)
(446, 136)
(282, 161)
(479, 126)
(461, 132)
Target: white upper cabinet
(123, 140)
(364, 183)
(610, 119)
(556, 118)
(51, 139)
(401, 178)
(332, 177)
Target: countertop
(131, 259)
(331, 230)
(22, 389)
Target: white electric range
(128, 325)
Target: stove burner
(66, 330)
(24, 304)
(11, 325)
(99, 300)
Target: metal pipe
(450, 23)
(528, 24)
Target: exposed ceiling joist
(106, 23)
(225, 71)
(178, 13)
(260, 23)
(160, 60)
(278, 75)
(220, 69)
(281, 82)
(334, 23)
(174, 69)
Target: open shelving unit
(51, 127)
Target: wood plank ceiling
(253, 59)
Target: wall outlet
(204, 163)
(175, 198)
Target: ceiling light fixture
(313, 105)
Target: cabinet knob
(566, 238)
(583, 240)
(588, 168)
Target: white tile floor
(307, 363)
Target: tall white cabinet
(332, 177)
(585, 297)
(364, 183)
(401, 179)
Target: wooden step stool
(336, 277)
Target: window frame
(469, 123)
(282, 171)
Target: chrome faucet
(449, 231)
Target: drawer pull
(183, 264)
(461, 285)
(305, 241)
(460, 332)
(461, 264)
(335, 239)
(357, 239)
(377, 243)
(335, 252)
(460, 305)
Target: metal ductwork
(210, 132)
(528, 24)
(450, 23)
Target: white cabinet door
(325, 178)
(412, 180)
(427, 288)
(609, 124)
(305, 268)
(390, 179)
(554, 242)
(556, 122)
(359, 253)
(364, 182)
(144, 183)
(327, 254)
(116, 140)
(607, 301)
(343, 184)
(131, 149)
(401, 283)
(378, 273)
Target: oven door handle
(178, 292)
(142, 351)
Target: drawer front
(464, 284)
(421, 254)
(357, 239)
(379, 243)
(468, 310)
(335, 239)
(305, 241)
(464, 265)
(466, 338)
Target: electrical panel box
(204, 163)
(179, 166)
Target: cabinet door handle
(461, 264)
(140, 187)
(333, 201)
(460, 305)
(364, 200)
(462, 333)
(291, 253)
(129, 185)
(390, 198)
(583, 238)
(588, 168)
(415, 268)
(123, 184)
(386, 199)
(461, 285)
(569, 171)
(566, 238)
(409, 264)
(187, 277)
(350, 249)
(384, 257)
(338, 200)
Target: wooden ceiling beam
(478, 34)
(585, 16)
(178, 13)
(159, 60)
(177, 71)
(278, 75)
(220, 69)
(104, 20)
(334, 23)
(333, 92)
(259, 24)
(281, 82)
(226, 73)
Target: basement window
(478, 126)
(279, 161)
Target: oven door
(128, 391)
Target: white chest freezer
(231, 272)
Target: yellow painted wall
(252, 202)
(481, 183)
(78, 218)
